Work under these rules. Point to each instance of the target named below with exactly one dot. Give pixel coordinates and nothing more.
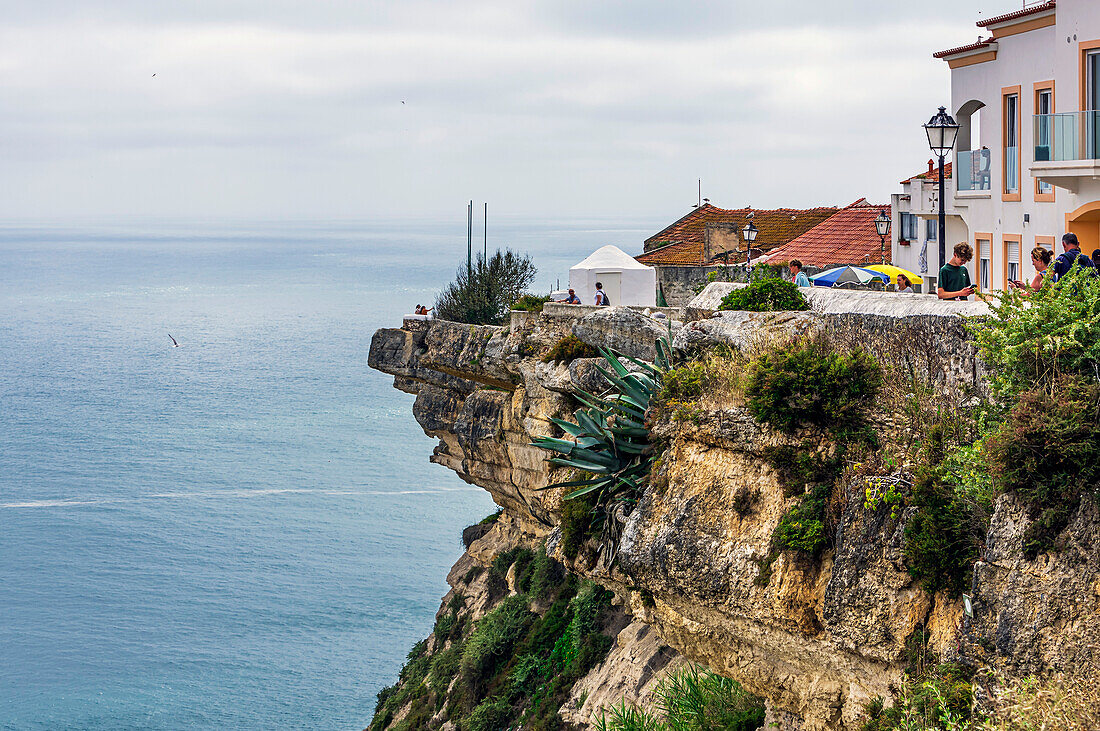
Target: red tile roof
(962, 49)
(932, 174)
(1049, 5)
(849, 237)
(681, 244)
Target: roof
(849, 237)
(609, 257)
(1040, 8)
(981, 43)
(681, 244)
(932, 175)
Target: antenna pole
(470, 239)
(485, 241)
(700, 192)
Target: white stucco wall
(1023, 59)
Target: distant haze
(279, 109)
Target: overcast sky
(281, 109)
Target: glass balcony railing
(1067, 136)
(972, 168)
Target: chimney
(931, 167)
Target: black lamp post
(882, 226)
(749, 232)
(942, 131)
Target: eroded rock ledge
(819, 639)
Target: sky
(273, 109)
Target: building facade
(1027, 158)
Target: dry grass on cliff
(1060, 704)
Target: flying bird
(174, 343)
(154, 74)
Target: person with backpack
(601, 296)
(1072, 252)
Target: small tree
(483, 294)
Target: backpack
(606, 299)
(1065, 261)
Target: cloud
(534, 106)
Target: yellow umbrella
(893, 272)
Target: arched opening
(972, 159)
(1085, 222)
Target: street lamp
(882, 225)
(749, 232)
(942, 131)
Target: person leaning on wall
(954, 281)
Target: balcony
(1067, 148)
(972, 170)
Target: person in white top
(601, 296)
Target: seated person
(422, 310)
(572, 299)
(904, 285)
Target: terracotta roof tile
(681, 244)
(1049, 5)
(932, 175)
(849, 237)
(962, 49)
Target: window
(984, 264)
(1044, 106)
(1012, 143)
(1092, 99)
(907, 231)
(931, 229)
(1012, 260)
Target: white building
(625, 280)
(915, 224)
(1027, 159)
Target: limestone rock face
(816, 638)
(622, 329)
(1035, 617)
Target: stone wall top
(829, 301)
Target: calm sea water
(242, 532)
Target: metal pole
(470, 239)
(485, 241)
(943, 224)
(882, 242)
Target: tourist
(1096, 259)
(797, 275)
(954, 281)
(904, 285)
(1041, 259)
(601, 296)
(422, 310)
(572, 299)
(1071, 253)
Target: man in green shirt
(955, 277)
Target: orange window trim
(1044, 86)
(1047, 242)
(1083, 48)
(976, 273)
(1005, 195)
(1011, 240)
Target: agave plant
(609, 439)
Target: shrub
(482, 294)
(802, 528)
(1048, 452)
(531, 302)
(490, 715)
(568, 349)
(939, 699)
(691, 699)
(745, 500)
(685, 383)
(1032, 341)
(494, 636)
(766, 295)
(944, 537)
(809, 384)
(579, 522)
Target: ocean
(244, 531)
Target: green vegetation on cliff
(513, 667)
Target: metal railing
(1067, 136)
(972, 169)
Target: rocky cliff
(695, 568)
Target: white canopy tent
(625, 280)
